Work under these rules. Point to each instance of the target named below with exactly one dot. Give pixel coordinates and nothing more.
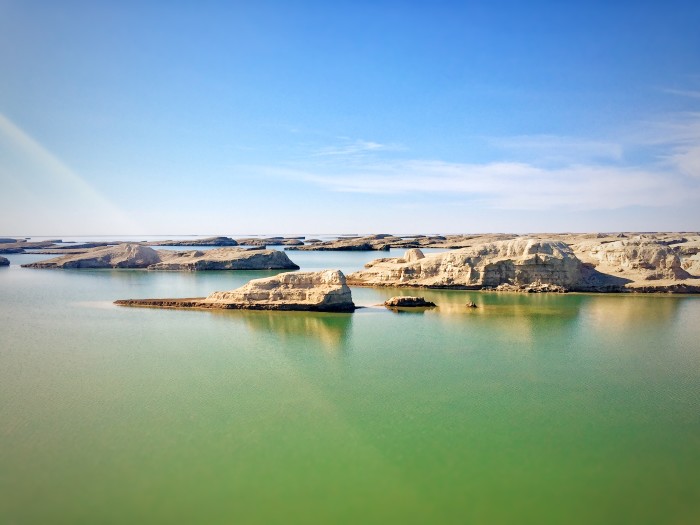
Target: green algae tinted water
(529, 409)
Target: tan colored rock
(368, 243)
(406, 301)
(142, 257)
(223, 259)
(414, 254)
(121, 256)
(692, 265)
(518, 262)
(208, 241)
(318, 291)
(324, 291)
(640, 258)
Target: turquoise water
(530, 409)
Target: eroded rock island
(324, 291)
(136, 256)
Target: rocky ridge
(136, 256)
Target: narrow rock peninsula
(324, 291)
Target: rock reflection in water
(329, 329)
(620, 313)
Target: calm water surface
(530, 409)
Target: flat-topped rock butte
(136, 256)
(324, 291)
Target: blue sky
(320, 117)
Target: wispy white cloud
(355, 147)
(590, 174)
(682, 92)
(558, 148)
(510, 185)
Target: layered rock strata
(638, 264)
(324, 291)
(518, 262)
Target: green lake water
(529, 409)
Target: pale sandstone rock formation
(120, 256)
(318, 291)
(324, 291)
(143, 257)
(639, 259)
(224, 259)
(519, 262)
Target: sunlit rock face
(324, 291)
(640, 258)
(517, 262)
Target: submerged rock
(408, 302)
(142, 257)
(324, 291)
(4, 262)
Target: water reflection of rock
(621, 313)
(329, 329)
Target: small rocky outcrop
(379, 242)
(137, 256)
(408, 302)
(324, 291)
(208, 241)
(271, 241)
(414, 254)
(518, 262)
(4, 262)
(536, 287)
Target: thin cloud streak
(553, 147)
(355, 147)
(515, 186)
(671, 178)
